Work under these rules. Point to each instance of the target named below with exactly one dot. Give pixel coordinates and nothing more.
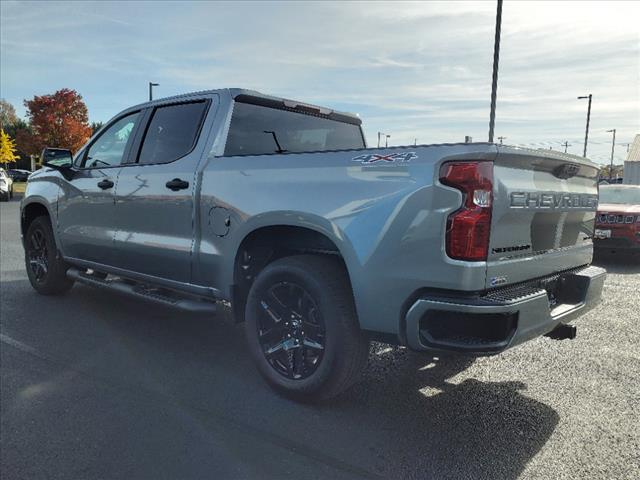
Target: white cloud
(415, 69)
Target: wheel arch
(265, 241)
(32, 209)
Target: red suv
(618, 218)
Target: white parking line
(20, 346)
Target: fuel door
(219, 221)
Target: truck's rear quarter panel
(387, 218)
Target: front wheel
(302, 328)
(46, 270)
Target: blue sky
(413, 70)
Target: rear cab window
(271, 127)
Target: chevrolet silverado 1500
(274, 212)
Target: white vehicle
(6, 186)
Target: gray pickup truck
(274, 212)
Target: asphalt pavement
(95, 385)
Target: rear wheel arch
(264, 245)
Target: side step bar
(144, 292)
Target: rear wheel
(302, 328)
(46, 270)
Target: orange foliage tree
(59, 120)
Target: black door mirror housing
(59, 159)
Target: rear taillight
(469, 227)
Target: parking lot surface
(95, 385)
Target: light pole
(496, 59)
(586, 133)
(386, 140)
(151, 85)
(613, 146)
(379, 135)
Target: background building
(632, 163)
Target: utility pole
(496, 59)
(613, 146)
(586, 133)
(151, 85)
(565, 145)
(501, 138)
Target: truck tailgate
(543, 214)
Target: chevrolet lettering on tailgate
(553, 200)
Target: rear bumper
(501, 318)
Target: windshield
(620, 195)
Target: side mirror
(59, 159)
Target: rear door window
(172, 132)
(257, 129)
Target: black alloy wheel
(291, 331)
(302, 328)
(38, 255)
(46, 269)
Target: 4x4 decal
(399, 157)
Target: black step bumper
(502, 318)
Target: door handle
(104, 184)
(177, 184)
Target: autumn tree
(59, 120)
(7, 149)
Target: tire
(46, 270)
(315, 290)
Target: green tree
(617, 172)
(7, 149)
(95, 126)
(7, 114)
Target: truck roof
(236, 92)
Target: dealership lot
(97, 385)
